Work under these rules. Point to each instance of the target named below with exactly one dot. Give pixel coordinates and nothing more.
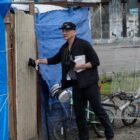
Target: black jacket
(80, 47)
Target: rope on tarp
(3, 94)
(1, 108)
(4, 51)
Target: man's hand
(41, 61)
(83, 66)
(78, 66)
(31, 62)
(37, 61)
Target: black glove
(32, 63)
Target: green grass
(128, 82)
(106, 88)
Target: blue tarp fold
(4, 6)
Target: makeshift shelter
(49, 40)
(23, 113)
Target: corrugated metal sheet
(25, 77)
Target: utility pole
(139, 18)
(101, 20)
(124, 15)
(105, 20)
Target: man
(79, 70)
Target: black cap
(68, 26)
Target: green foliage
(105, 88)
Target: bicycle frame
(88, 112)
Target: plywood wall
(26, 102)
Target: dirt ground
(122, 132)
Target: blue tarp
(50, 39)
(4, 6)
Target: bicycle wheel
(65, 129)
(96, 124)
(127, 115)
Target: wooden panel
(25, 77)
(11, 78)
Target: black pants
(80, 98)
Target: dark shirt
(80, 47)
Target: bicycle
(65, 129)
(62, 128)
(131, 111)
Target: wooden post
(9, 22)
(139, 18)
(105, 21)
(32, 12)
(124, 14)
(13, 86)
(25, 77)
(31, 8)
